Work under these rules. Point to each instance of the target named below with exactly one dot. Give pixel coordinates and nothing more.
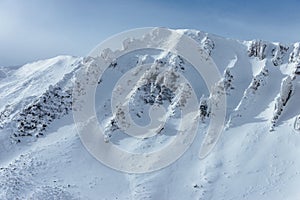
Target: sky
(34, 29)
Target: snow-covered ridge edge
(284, 59)
(28, 115)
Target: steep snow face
(33, 79)
(35, 88)
(42, 157)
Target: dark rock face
(257, 49)
(35, 117)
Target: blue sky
(36, 29)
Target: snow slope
(42, 157)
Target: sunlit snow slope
(257, 156)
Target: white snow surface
(257, 156)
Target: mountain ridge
(261, 80)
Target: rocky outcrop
(281, 101)
(278, 54)
(262, 50)
(257, 48)
(35, 117)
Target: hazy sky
(37, 29)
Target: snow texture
(42, 157)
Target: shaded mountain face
(256, 157)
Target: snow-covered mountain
(42, 157)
